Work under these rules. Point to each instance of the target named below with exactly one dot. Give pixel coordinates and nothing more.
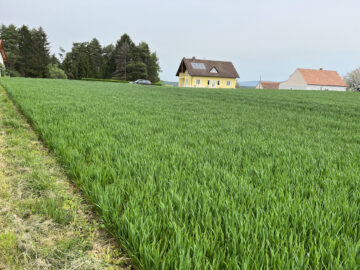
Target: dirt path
(44, 222)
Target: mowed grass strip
(210, 178)
(44, 222)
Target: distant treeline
(124, 61)
(28, 52)
(29, 56)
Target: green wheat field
(209, 178)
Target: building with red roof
(267, 85)
(314, 79)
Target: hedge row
(104, 80)
(116, 81)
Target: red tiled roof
(2, 51)
(270, 85)
(224, 69)
(322, 77)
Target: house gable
(295, 81)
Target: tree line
(124, 61)
(27, 51)
(28, 55)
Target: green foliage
(104, 80)
(135, 62)
(27, 51)
(2, 70)
(123, 54)
(207, 178)
(14, 73)
(136, 70)
(77, 62)
(29, 56)
(55, 72)
(10, 38)
(353, 80)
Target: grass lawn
(44, 223)
(209, 178)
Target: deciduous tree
(353, 80)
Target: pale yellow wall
(184, 79)
(295, 81)
(204, 81)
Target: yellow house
(194, 72)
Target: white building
(314, 79)
(3, 59)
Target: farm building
(314, 79)
(3, 58)
(267, 85)
(194, 72)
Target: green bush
(14, 73)
(55, 72)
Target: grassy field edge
(44, 220)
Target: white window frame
(228, 83)
(198, 82)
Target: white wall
(296, 81)
(313, 87)
(322, 87)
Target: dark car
(145, 82)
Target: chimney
(193, 58)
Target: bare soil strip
(44, 221)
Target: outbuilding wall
(322, 87)
(295, 82)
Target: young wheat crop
(210, 178)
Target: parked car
(145, 82)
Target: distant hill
(249, 84)
(170, 83)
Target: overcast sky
(266, 37)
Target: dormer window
(213, 70)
